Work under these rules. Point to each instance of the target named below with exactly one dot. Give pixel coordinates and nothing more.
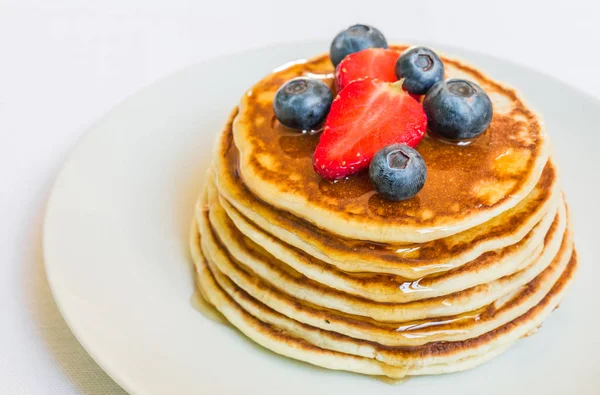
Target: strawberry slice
(365, 117)
(376, 63)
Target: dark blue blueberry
(398, 172)
(302, 103)
(421, 68)
(457, 109)
(354, 39)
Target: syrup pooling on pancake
(495, 170)
(469, 176)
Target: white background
(64, 63)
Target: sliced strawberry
(376, 63)
(365, 117)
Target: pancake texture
(332, 274)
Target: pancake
(278, 341)
(327, 349)
(308, 275)
(466, 185)
(227, 284)
(332, 274)
(386, 330)
(235, 232)
(412, 261)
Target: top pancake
(466, 185)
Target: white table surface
(64, 63)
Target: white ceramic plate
(115, 246)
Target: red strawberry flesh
(376, 63)
(365, 117)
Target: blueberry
(354, 39)
(457, 109)
(302, 103)
(421, 68)
(398, 172)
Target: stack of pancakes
(332, 274)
